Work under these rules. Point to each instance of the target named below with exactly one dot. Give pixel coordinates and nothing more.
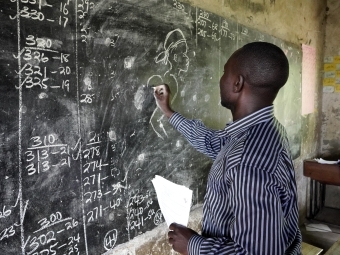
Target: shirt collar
(262, 115)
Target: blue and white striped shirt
(250, 206)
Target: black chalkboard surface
(81, 136)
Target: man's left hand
(179, 236)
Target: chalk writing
(77, 156)
(10, 231)
(207, 28)
(34, 243)
(40, 244)
(178, 5)
(138, 208)
(5, 212)
(110, 239)
(46, 155)
(39, 76)
(158, 219)
(63, 18)
(84, 6)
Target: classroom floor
(324, 240)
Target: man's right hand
(162, 96)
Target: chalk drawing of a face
(175, 56)
(175, 52)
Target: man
(250, 206)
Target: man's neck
(245, 111)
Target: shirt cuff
(194, 244)
(176, 119)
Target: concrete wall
(330, 134)
(296, 21)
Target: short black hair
(264, 65)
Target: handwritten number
(44, 154)
(36, 141)
(30, 156)
(46, 166)
(86, 180)
(87, 98)
(34, 245)
(31, 169)
(6, 233)
(43, 223)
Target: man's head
(253, 75)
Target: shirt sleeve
(203, 139)
(257, 218)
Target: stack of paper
(322, 161)
(174, 200)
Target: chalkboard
(81, 136)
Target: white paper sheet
(322, 161)
(318, 227)
(174, 200)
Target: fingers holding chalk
(156, 89)
(162, 96)
(161, 89)
(161, 93)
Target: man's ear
(238, 86)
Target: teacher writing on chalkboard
(250, 206)
(175, 57)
